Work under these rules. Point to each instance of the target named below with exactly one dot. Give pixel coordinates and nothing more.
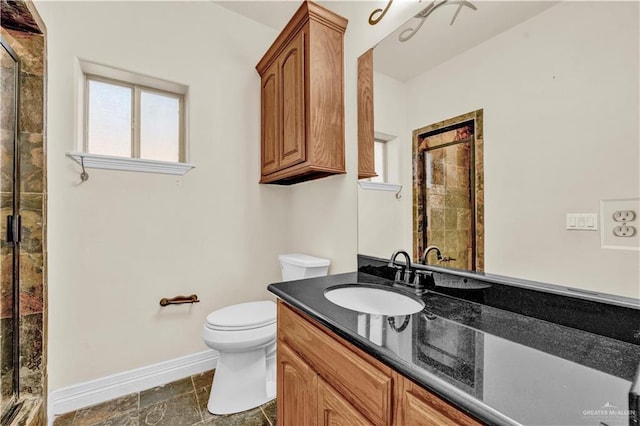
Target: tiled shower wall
(30, 48)
(449, 205)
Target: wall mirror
(558, 87)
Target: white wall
(121, 241)
(560, 99)
(384, 222)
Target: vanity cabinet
(302, 98)
(297, 389)
(418, 407)
(349, 384)
(334, 409)
(323, 379)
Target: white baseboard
(104, 389)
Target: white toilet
(245, 337)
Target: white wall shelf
(95, 161)
(380, 186)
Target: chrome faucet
(403, 271)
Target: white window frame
(87, 71)
(380, 147)
(376, 184)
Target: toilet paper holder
(179, 300)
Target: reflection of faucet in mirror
(383, 331)
(405, 323)
(428, 316)
(439, 256)
(423, 259)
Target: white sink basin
(373, 300)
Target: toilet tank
(298, 266)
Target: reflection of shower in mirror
(448, 190)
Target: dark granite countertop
(502, 367)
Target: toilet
(245, 337)
(298, 266)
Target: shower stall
(10, 237)
(23, 197)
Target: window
(131, 120)
(128, 121)
(386, 161)
(380, 160)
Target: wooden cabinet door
(297, 390)
(309, 53)
(418, 407)
(360, 378)
(335, 410)
(270, 111)
(366, 131)
(292, 69)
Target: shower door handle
(9, 229)
(14, 229)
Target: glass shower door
(8, 248)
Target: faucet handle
(399, 272)
(419, 277)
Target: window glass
(109, 123)
(380, 161)
(159, 126)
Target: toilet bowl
(245, 337)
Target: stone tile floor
(180, 403)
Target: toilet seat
(243, 316)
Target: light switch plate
(582, 221)
(615, 225)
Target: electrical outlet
(624, 231)
(619, 224)
(624, 215)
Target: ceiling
(274, 14)
(437, 41)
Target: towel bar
(178, 300)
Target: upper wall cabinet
(302, 99)
(366, 132)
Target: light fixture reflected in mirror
(424, 14)
(377, 15)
